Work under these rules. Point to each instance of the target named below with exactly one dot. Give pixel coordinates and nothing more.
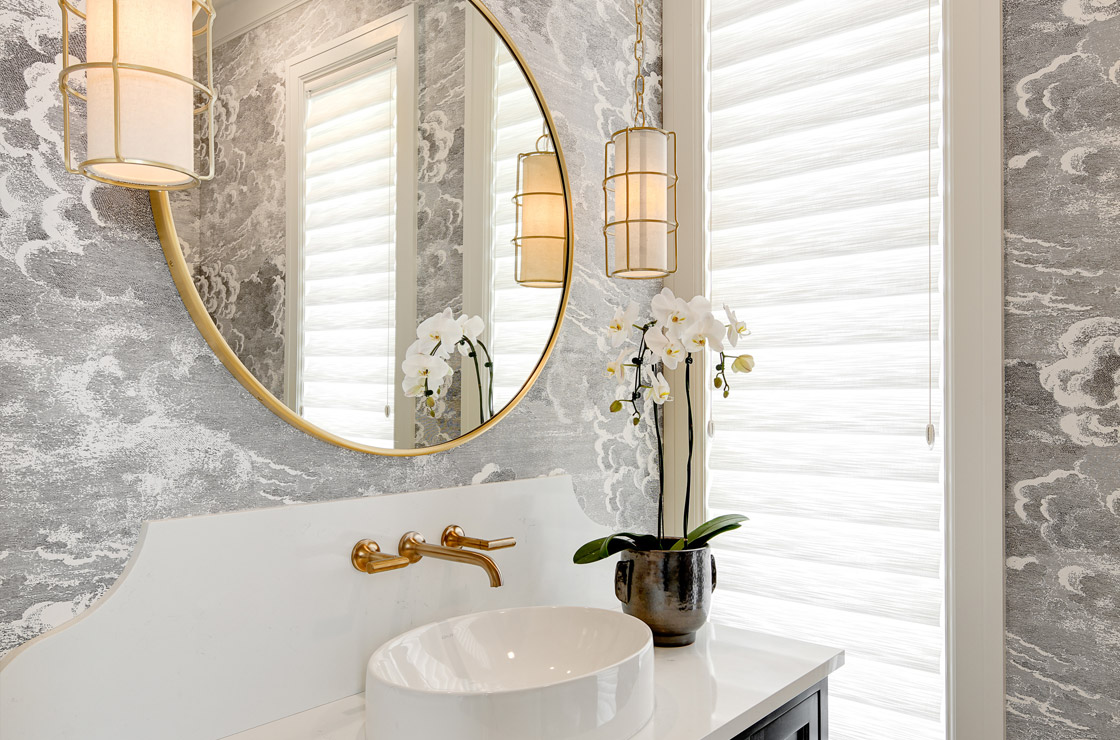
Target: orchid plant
(678, 331)
(428, 374)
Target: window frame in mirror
(180, 273)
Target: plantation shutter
(820, 238)
(348, 358)
(523, 318)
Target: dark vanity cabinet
(802, 718)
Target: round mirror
(382, 255)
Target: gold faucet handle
(454, 536)
(368, 558)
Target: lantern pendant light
(541, 240)
(640, 196)
(140, 96)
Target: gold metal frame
(180, 273)
(206, 91)
(518, 236)
(671, 225)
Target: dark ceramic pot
(669, 590)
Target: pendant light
(640, 197)
(541, 240)
(139, 93)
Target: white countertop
(711, 690)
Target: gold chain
(639, 57)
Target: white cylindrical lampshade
(642, 204)
(542, 222)
(156, 111)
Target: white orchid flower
(426, 368)
(617, 369)
(661, 390)
(668, 349)
(413, 387)
(704, 333)
(420, 347)
(736, 330)
(743, 364)
(441, 330)
(622, 324)
(698, 308)
(472, 328)
(669, 311)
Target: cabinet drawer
(803, 718)
(800, 723)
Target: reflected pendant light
(640, 195)
(541, 240)
(137, 87)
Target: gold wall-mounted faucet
(368, 558)
(413, 546)
(454, 536)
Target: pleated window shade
(522, 318)
(348, 302)
(823, 150)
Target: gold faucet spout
(413, 546)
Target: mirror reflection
(383, 244)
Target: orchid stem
(660, 478)
(478, 379)
(489, 379)
(688, 465)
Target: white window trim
(685, 95)
(974, 348)
(973, 73)
(395, 31)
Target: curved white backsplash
(221, 623)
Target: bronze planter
(669, 590)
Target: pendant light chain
(639, 57)
(640, 190)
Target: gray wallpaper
(113, 410)
(1062, 153)
(441, 75)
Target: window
(821, 166)
(350, 243)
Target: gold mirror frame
(180, 273)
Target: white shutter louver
(820, 195)
(523, 318)
(348, 297)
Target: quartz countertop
(728, 680)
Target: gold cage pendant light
(138, 89)
(640, 197)
(541, 240)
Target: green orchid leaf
(606, 546)
(713, 527)
(678, 545)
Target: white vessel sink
(534, 673)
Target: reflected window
(522, 316)
(345, 301)
(503, 120)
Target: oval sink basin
(533, 673)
